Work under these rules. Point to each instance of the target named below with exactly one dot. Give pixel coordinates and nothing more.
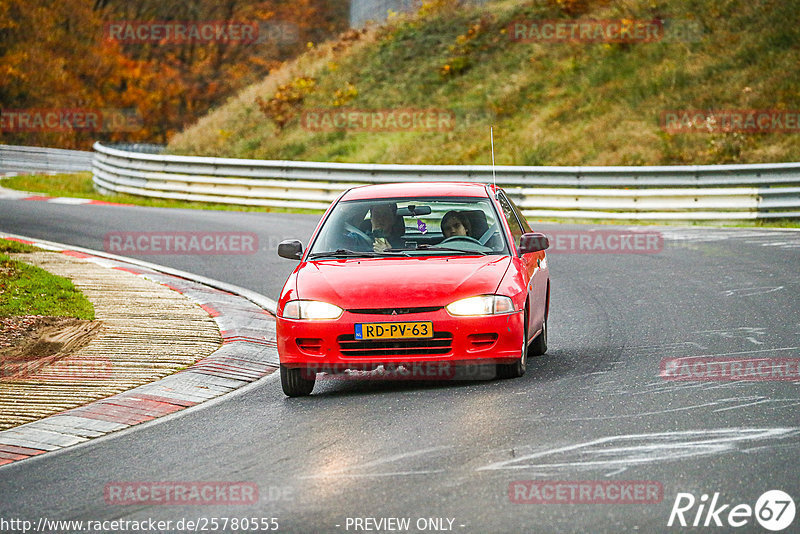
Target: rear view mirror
(533, 242)
(291, 249)
(414, 211)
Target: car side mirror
(533, 242)
(291, 249)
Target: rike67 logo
(774, 511)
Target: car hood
(399, 282)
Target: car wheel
(517, 369)
(294, 384)
(539, 345)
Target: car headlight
(311, 310)
(481, 305)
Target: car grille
(440, 343)
(395, 311)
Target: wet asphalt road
(444, 455)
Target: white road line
(736, 353)
(663, 446)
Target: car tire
(517, 369)
(539, 345)
(294, 384)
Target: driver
(384, 233)
(455, 223)
(383, 230)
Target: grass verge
(29, 290)
(79, 185)
(550, 103)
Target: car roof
(417, 189)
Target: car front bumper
(330, 344)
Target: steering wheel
(359, 234)
(456, 238)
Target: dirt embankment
(31, 342)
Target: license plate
(394, 330)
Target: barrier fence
(686, 192)
(29, 159)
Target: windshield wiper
(451, 249)
(347, 253)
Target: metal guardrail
(146, 148)
(689, 192)
(25, 159)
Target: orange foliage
(59, 56)
(288, 99)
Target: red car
(410, 275)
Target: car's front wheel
(293, 382)
(539, 345)
(517, 369)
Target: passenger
(455, 223)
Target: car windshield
(410, 227)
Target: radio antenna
(491, 139)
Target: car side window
(526, 228)
(511, 217)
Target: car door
(536, 276)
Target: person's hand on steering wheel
(381, 244)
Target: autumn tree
(61, 55)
